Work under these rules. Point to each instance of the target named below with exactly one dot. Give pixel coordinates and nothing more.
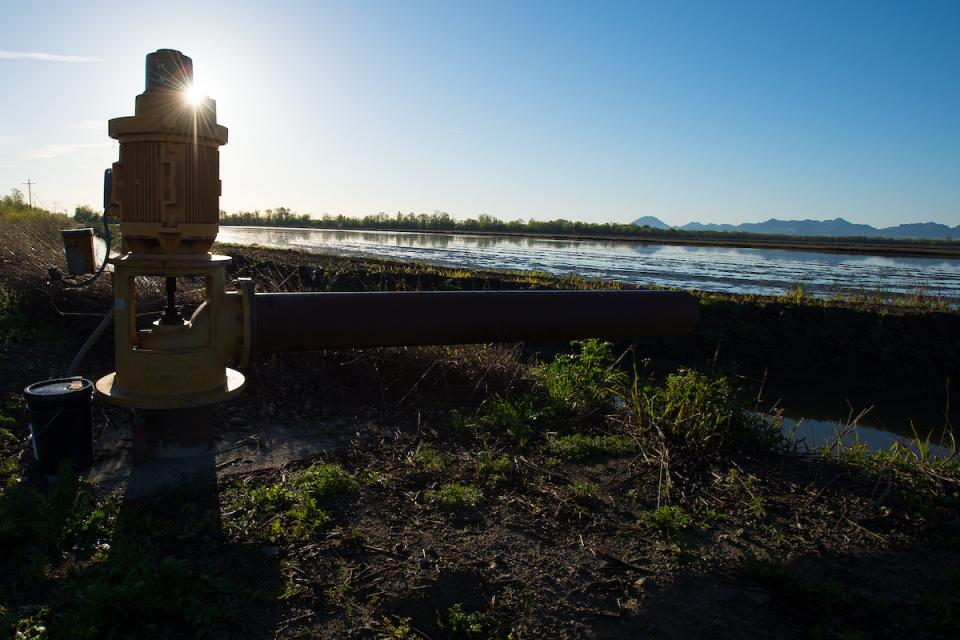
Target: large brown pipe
(313, 321)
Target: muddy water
(729, 270)
(813, 415)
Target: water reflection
(721, 269)
(814, 435)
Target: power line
(30, 191)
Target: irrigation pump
(166, 189)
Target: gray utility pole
(30, 191)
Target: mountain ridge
(837, 227)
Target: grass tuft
(700, 415)
(455, 496)
(466, 624)
(515, 420)
(290, 509)
(429, 459)
(670, 520)
(580, 447)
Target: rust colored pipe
(314, 321)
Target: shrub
(703, 415)
(516, 419)
(582, 382)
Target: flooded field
(728, 270)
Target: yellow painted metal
(166, 183)
(169, 367)
(166, 188)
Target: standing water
(721, 269)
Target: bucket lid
(59, 389)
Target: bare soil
(765, 544)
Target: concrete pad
(121, 467)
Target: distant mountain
(835, 227)
(922, 230)
(650, 221)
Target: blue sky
(599, 111)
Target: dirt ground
(777, 545)
(644, 539)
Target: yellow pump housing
(166, 186)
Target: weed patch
(455, 496)
(514, 420)
(290, 509)
(584, 489)
(138, 595)
(36, 526)
(9, 464)
(492, 467)
(429, 459)
(464, 624)
(670, 520)
(323, 481)
(583, 382)
(374, 477)
(700, 415)
(580, 447)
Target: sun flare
(192, 95)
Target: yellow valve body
(179, 366)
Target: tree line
(437, 221)
(442, 221)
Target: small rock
(424, 564)
(237, 420)
(645, 583)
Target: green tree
(14, 201)
(86, 215)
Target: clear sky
(598, 111)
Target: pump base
(174, 433)
(113, 394)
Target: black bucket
(61, 425)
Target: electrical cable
(108, 318)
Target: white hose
(78, 359)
